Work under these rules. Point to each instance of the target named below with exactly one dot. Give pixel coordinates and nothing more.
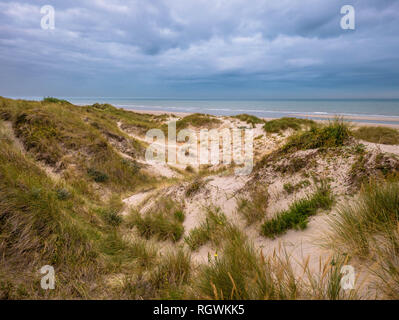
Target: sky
(200, 49)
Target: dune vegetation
(76, 193)
(383, 135)
(278, 125)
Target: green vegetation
(209, 230)
(278, 125)
(368, 229)
(196, 120)
(168, 279)
(130, 121)
(293, 165)
(61, 136)
(253, 208)
(163, 221)
(172, 274)
(240, 272)
(43, 221)
(194, 187)
(252, 120)
(64, 170)
(55, 100)
(383, 135)
(110, 213)
(366, 166)
(290, 188)
(335, 134)
(298, 213)
(97, 175)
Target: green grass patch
(172, 274)
(279, 125)
(296, 217)
(290, 188)
(55, 100)
(383, 135)
(367, 228)
(239, 272)
(334, 134)
(250, 119)
(209, 230)
(163, 221)
(253, 208)
(195, 187)
(197, 120)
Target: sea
(387, 110)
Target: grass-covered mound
(46, 221)
(196, 120)
(164, 221)
(83, 143)
(278, 125)
(383, 135)
(250, 119)
(368, 229)
(129, 120)
(55, 100)
(43, 222)
(332, 135)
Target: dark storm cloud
(159, 47)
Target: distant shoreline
(352, 119)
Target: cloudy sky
(200, 49)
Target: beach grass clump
(164, 221)
(209, 230)
(111, 212)
(332, 135)
(296, 217)
(291, 188)
(197, 120)
(382, 135)
(172, 274)
(240, 272)
(54, 100)
(253, 208)
(195, 187)
(282, 124)
(250, 119)
(167, 277)
(368, 228)
(122, 254)
(376, 212)
(97, 176)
